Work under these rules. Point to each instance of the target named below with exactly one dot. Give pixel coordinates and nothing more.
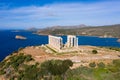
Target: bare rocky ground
(82, 56)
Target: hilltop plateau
(32, 62)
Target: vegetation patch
(94, 51)
(17, 67)
(11, 67)
(100, 72)
(114, 48)
(92, 65)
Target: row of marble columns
(57, 42)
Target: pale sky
(21, 14)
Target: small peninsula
(20, 37)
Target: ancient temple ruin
(57, 42)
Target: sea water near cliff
(8, 43)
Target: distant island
(20, 37)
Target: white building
(72, 41)
(55, 42)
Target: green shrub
(116, 62)
(2, 64)
(101, 65)
(92, 65)
(94, 51)
(28, 58)
(7, 64)
(114, 48)
(2, 72)
(12, 78)
(55, 67)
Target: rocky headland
(31, 63)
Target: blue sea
(8, 43)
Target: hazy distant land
(101, 31)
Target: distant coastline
(76, 35)
(108, 31)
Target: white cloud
(61, 14)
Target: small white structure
(55, 42)
(72, 41)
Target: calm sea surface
(8, 43)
